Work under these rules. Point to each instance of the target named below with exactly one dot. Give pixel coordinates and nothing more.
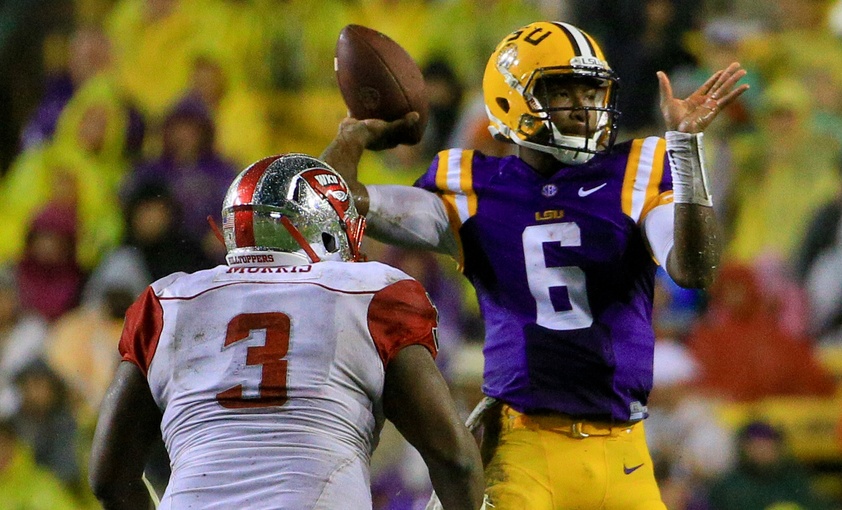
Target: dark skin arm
(353, 138)
(697, 249)
(417, 400)
(129, 424)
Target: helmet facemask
(519, 84)
(571, 128)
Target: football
(378, 79)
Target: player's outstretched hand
(376, 134)
(694, 114)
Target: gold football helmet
(524, 73)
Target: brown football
(379, 79)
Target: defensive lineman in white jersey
(270, 378)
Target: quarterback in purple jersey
(561, 243)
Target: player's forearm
(344, 154)
(458, 482)
(695, 255)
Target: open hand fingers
(665, 86)
(708, 85)
(723, 91)
(725, 81)
(732, 95)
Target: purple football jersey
(562, 274)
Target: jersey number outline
(272, 389)
(542, 278)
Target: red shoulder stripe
(401, 315)
(142, 330)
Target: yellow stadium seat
(808, 423)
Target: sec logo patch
(549, 190)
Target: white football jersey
(270, 379)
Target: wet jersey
(270, 379)
(563, 276)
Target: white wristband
(689, 177)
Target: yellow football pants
(549, 462)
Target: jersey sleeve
(142, 330)
(648, 178)
(401, 315)
(451, 176)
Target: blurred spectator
(232, 105)
(742, 350)
(48, 276)
(467, 31)
(835, 18)
(89, 55)
(154, 42)
(165, 49)
(95, 124)
(784, 162)
(688, 445)
(800, 35)
(444, 92)
(715, 45)
(46, 423)
(82, 344)
(471, 130)
(819, 267)
(765, 476)
(21, 341)
(81, 168)
(26, 26)
(638, 49)
(193, 172)
(154, 246)
(23, 484)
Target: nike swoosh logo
(630, 470)
(585, 192)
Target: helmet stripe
(248, 182)
(244, 216)
(580, 42)
(244, 226)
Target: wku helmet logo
(331, 187)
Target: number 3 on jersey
(272, 389)
(560, 293)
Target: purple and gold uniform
(564, 279)
(562, 273)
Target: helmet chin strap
(566, 156)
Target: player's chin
(572, 129)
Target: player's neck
(544, 164)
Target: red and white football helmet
(295, 204)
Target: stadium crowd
(122, 123)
